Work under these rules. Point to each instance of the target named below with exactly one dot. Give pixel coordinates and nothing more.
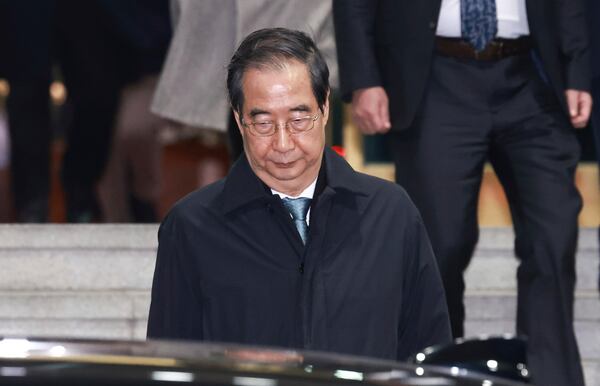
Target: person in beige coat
(205, 33)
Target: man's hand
(580, 107)
(370, 110)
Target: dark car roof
(27, 361)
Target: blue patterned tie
(479, 23)
(298, 208)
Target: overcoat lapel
(342, 219)
(341, 202)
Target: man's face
(285, 162)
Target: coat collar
(340, 175)
(242, 186)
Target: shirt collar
(309, 192)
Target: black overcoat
(231, 267)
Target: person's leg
(439, 161)
(535, 153)
(596, 127)
(143, 151)
(93, 66)
(130, 187)
(113, 187)
(5, 195)
(28, 64)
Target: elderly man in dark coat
(294, 248)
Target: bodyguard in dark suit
(294, 248)
(460, 82)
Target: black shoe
(35, 211)
(82, 205)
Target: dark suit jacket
(390, 43)
(594, 24)
(231, 267)
(594, 28)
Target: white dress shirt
(309, 192)
(512, 19)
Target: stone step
(494, 266)
(131, 305)
(122, 257)
(502, 238)
(95, 268)
(134, 304)
(75, 328)
(76, 269)
(137, 236)
(492, 306)
(498, 272)
(591, 371)
(75, 236)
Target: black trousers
(502, 112)
(596, 128)
(26, 28)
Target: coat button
(432, 24)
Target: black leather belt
(495, 50)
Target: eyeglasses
(294, 126)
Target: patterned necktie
(479, 23)
(298, 208)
